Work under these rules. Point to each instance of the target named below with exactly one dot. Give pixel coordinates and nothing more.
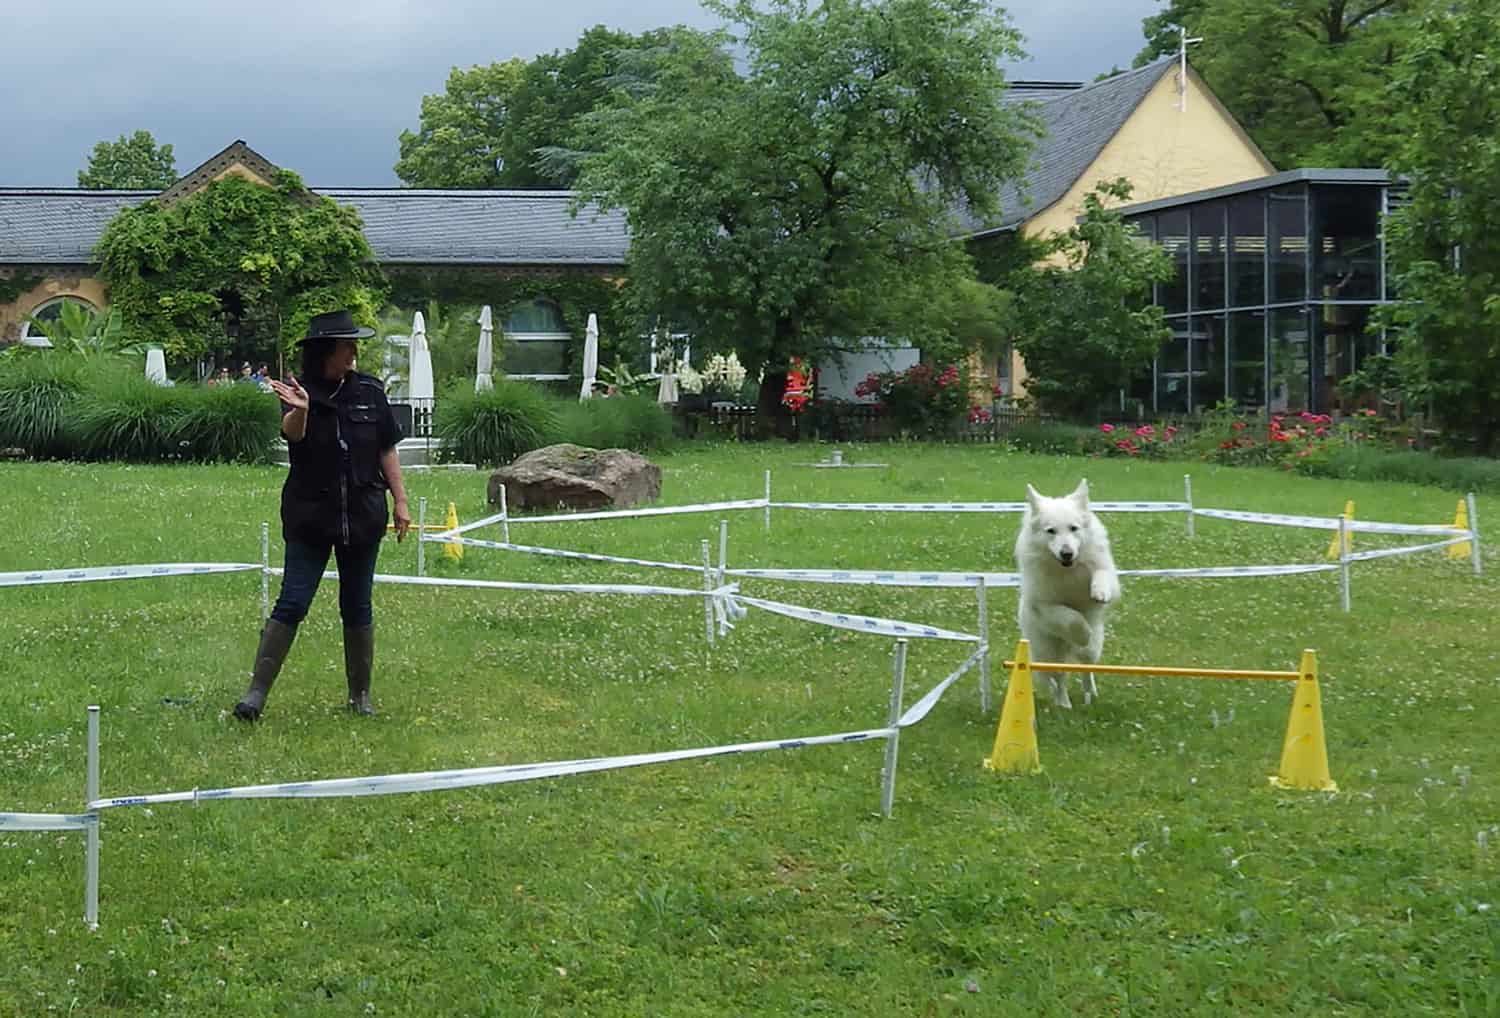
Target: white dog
(1068, 579)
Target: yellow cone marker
(1304, 754)
(450, 549)
(1015, 741)
(1333, 545)
(1460, 522)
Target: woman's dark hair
(314, 353)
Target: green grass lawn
(1148, 870)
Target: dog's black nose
(1066, 558)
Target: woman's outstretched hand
(290, 392)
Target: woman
(341, 437)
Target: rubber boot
(359, 658)
(275, 640)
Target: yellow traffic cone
(1460, 522)
(452, 549)
(1304, 754)
(1015, 740)
(1333, 545)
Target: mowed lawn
(1149, 870)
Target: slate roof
(1078, 123)
(61, 226)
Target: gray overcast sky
(325, 87)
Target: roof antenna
(1182, 73)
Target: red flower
(1106, 428)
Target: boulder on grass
(573, 477)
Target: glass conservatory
(1276, 278)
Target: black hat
(335, 325)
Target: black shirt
(335, 490)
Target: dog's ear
(1081, 493)
(1033, 499)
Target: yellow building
(1163, 131)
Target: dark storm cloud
(324, 87)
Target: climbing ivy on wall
(237, 255)
(576, 292)
(12, 286)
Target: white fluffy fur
(1068, 580)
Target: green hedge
(492, 428)
(637, 423)
(1355, 463)
(57, 406)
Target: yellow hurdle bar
(1203, 673)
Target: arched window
(536, 341)
(48, 312)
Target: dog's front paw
(1104, 588)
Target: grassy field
(1148, 870)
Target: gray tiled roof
(62, 226)
(1078, 125)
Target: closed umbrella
(590, 357)
(419, 388)
(484, 368)
(156, 366)
(666, 392)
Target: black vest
(335, 490)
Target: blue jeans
(304, 569)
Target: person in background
(341, 440)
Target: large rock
(572, 477)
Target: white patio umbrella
(419, 363)
(666, 392)
(483, 380)
(156, 366)
(590, 357)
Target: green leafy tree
(808, 198)
(1444, 245)
(236, 268)
(516, 124)
(133, 163)
(1307, 78)
(460, 141)
(1084, 322)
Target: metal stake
(1474, 532)
(91, 858)
(1187, 487)
(422, 537)
(265, 572)
(708, 594)
(768, 501)
(981, 596)
(893, 741)
(1344, 564)
(723, 550)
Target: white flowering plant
(724, 373)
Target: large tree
(1084, 321)
(804, 203)
(237, 268)
(516, 124)
(1306, 78)
(135, 163)
(1445, 241)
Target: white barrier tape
(611, 514)
(1325, 523)
(919, 710)
(528, 549)
(1366, 556)
(393, 784)
(475, 525)
(974, 507)
(856, 623)
(46, 821)
(545, 588)
(87, 574)
(881, 578)
(1224, 571)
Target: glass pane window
(1347, 247)
(535, 357)
(1290, 366)
(1288, 240)
(1247, 359)
(1208, 256)
(1247, 251)
(1172, 235)
(537, 316)
(1207, 362)
(1172, 370)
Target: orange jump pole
(1304, 751)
